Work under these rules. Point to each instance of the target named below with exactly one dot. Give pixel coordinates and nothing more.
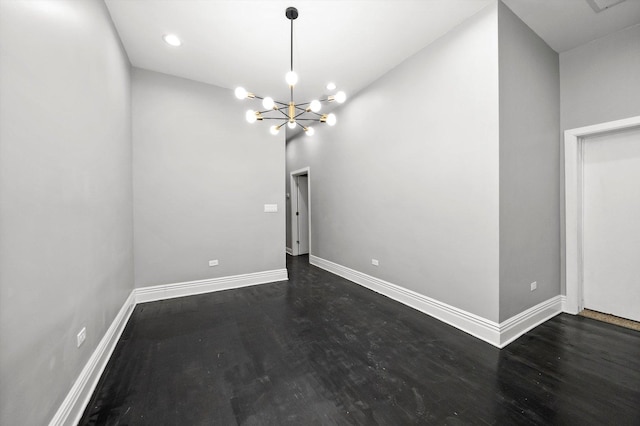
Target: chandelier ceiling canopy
(292, 114)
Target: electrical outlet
(534, 285)
(374, 262)
(82, 336)
(213, 262)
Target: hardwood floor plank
(320, 350)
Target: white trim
(288, 251)
(78, 397)
(189, 288)
(573, 161)
(499, 335)
(519, 324)
(473, 324)
(563, 301)
(294, 228)
(74, 404)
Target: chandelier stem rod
(291, 55)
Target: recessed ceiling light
(172, 40)
(331, 86)
(600, 5)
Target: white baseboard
(569, 307)
(76, 401)
(470, 323)
(189, 288)
(289, 251)
(78, 397)
(519, 324)
(491, 332)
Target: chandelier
(291, 113)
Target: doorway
(611, 229)
(587, 207)
(301, 211)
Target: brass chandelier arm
(286, 107)
(314, 113)
(319, 100)
(274, 101)
(274, 109)
(297, 119)
(300, 108)
(300, 114)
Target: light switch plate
(270, 208)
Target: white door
(611, 223)
(302, 213)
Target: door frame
(294, 229)
(574, 140)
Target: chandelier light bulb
(250, 115)
(268, 103)
(291, 78)
(274, 130)
(315, 105)
(331, 86)
(241, 93)
(291, 124)
(331, 119)
(310, 131)
(341, 97)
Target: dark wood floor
(320, 350)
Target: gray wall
(409, 175)
(529, 172)
(291, 135)
(66, 251)
(202, 175)
(599, 82)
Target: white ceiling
(245, 43)
(565, 24)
